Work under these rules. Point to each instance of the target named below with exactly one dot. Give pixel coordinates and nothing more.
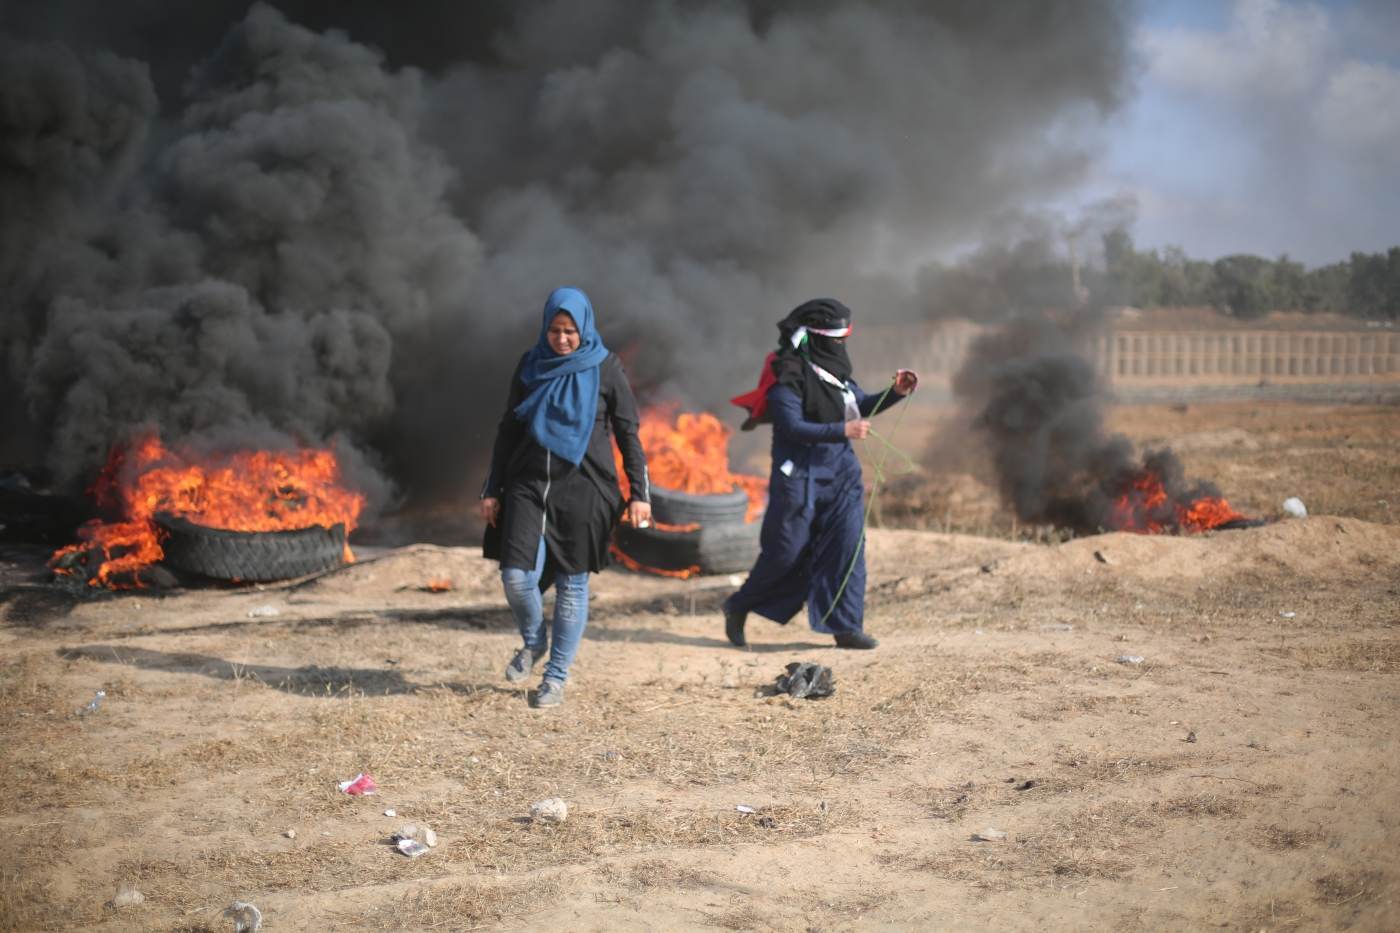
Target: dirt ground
(1241, 776)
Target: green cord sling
(875, 485)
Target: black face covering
(821, 401)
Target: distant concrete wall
(1131, 357)
(1134, 361)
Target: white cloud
(1360, 112)
(1291, 126)
(1270, 50)
(1291, 55)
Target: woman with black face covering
(812, 539)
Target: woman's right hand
(855, 430)
(490, 510)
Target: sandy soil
(1242, 776)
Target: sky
(1260, 126)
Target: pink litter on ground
(362, 786)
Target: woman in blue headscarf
(552, 497)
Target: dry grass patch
(61, 782)
(1194, 806)
(1096, 768)
(68, 775)
(1345, 887)
(957, 865)
(35, 870)
(519, 844)
(462, 905)
(1079, 704)
(1277, 915)
(1283, 838)
(327, 866)
(25, 902)
(1371, 657)
(820, 912)
(26, 691)
(659, 873)
(475, 842)
(804, 914)
(1093, 842)
(488, 742)
(938, 694)
(951, 802)
(213, 756)
(744, 917)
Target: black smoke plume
(325, 222)
(1036, 400)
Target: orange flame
(244, 491)
(1134, 509)
(689, 453)
(1206, 513)
(638, 567)
(438, 586)
(1141, 509)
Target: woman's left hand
(905, 381)
(639, 514)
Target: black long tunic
(574, 507)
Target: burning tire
(254, 556)
(727, 548)
(684, 508)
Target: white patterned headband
(801, 333)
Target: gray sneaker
(549, 694)
(520, 666)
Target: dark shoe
(855, 640)
(549, 694)
(734, 628)
(520, 666)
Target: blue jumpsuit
(814, 523)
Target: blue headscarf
(561, 392)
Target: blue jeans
(570, 613)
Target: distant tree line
(1365, 285)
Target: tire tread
(252, 556)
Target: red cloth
(756, 400)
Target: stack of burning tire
(693, 533)
(704, 518)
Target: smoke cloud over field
(329, 223)
(1035, 400)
